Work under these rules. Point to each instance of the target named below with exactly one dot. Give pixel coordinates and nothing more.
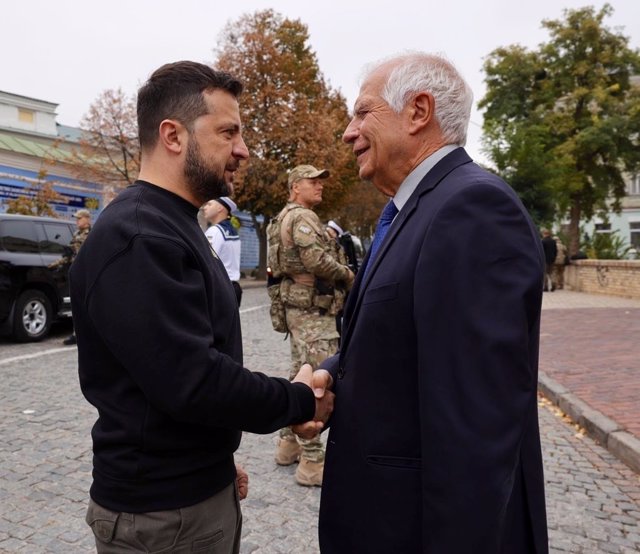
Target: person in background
(224, 238)
(313, 287)
(83, 226)
(434, 445)
(345, 240)
(159, 338)
(550, 252)
(343, 246)
(562, 259)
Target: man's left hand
(242, 481)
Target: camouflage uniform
(557, 272)
(316, 280)
(79, 236)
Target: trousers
(314, 338)
(212, 526)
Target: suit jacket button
(340, 373)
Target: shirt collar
(412, 180)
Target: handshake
(320, 382)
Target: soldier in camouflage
(559, 263)
(83, 226)
(314, 285)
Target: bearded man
(159, 343)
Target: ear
(421, 111)
(172, 135)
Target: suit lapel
(428, 183)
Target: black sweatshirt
(160, 357)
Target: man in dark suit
(434, 444)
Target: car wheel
(33, 314)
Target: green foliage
(606, 246)
(562, 122)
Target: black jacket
(160, 357)
(434, 445)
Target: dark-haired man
(159, 344)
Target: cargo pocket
(299, 296)
(103, 522)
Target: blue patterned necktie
(390, 211)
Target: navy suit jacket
(434, 444)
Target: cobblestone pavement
(589, 344)
(45, 463)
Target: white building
(627, 222)
(35, 148)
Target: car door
(19, 253)
(55, 243)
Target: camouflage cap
(82, 213)
(306, 172)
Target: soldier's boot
(288, 452)
(309, 473)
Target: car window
(58, 238)
(19, 236)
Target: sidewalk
(590, 366)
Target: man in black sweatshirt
(159, 343)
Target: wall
(614, 277)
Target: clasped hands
(320, 382)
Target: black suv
(32, 295)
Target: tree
(109, 152)
(359, 209)
(290, 115)
(562, 122)
(37, 198)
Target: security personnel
(83, 226)
(313, 289)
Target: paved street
(589, 344)
(593, 499)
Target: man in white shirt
(224, 237)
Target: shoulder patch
(304, 229)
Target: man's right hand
(320, 382)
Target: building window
(26, 116)
(633, 186)
(603, 227)
(634, 234)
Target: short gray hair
(416, 72)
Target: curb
(252, 284)
(605, 431)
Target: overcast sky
(68, 51)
